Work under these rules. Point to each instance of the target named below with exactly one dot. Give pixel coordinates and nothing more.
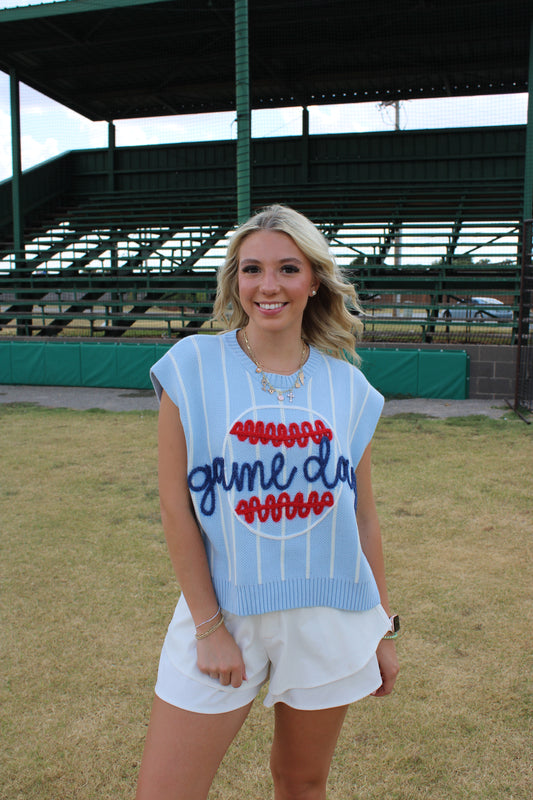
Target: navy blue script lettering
(204, 479)
(246, 476)
(315, 468)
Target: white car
(479, 308)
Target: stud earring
(313, 293)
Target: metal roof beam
(57, 9)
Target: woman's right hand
(219, 656)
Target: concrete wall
(492, 371)
(492, 367)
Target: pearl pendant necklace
(281, 394)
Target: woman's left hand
(388, 666)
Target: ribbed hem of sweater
(296, 593)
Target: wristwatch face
(395, 623)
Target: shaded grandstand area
(419, 220)
(121, 59)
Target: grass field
(87, 592)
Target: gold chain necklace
(265, 383)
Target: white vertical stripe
(187, 408)
(309, 453)
(253, 402)
(190, 427)
(232, 498)
(352, 399)
(202, 389)
(283, 449)
(226, 382)
(232, 545)
(358, 559)
(335, 509)
(358, 420)
(222, 500)
(206, 418)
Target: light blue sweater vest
(273, 483)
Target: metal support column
(305, 144)
(18, 223)
(242, 97)
(23, 302)
(523, 365)
(528, 168)
(111, 139)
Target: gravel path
(83, 398)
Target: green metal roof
(115, 59)
(61, 7)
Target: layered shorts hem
(312, 658)
(178, 689)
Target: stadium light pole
(242, 99)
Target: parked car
(479, 308)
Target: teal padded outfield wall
(125, 365)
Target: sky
(49, 129)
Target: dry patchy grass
(87, 591)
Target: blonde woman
(268, 511)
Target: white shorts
(313, 658)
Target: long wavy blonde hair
(329, 321)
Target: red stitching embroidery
(283, 505)
(277, 435)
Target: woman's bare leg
(303, 746)
(183, 751)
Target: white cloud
(96, 135)
(5, 146)
(277, 122)
(17, 3)
(343, 118)
(457, 112)
(35, 109)
(443, 112)
(133, 133)
(70, 115)
(162, 130)
(33, 151)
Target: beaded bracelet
(215, 615)
(211, 630)
(390, 635)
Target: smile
(270, 306)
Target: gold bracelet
(215, 615)
(211, 630)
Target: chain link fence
(524, 376)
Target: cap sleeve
(165, 374)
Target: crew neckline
(308, 368)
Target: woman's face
(275, 281)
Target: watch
(392, 633)
(394, 623)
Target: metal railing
(141, 269)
